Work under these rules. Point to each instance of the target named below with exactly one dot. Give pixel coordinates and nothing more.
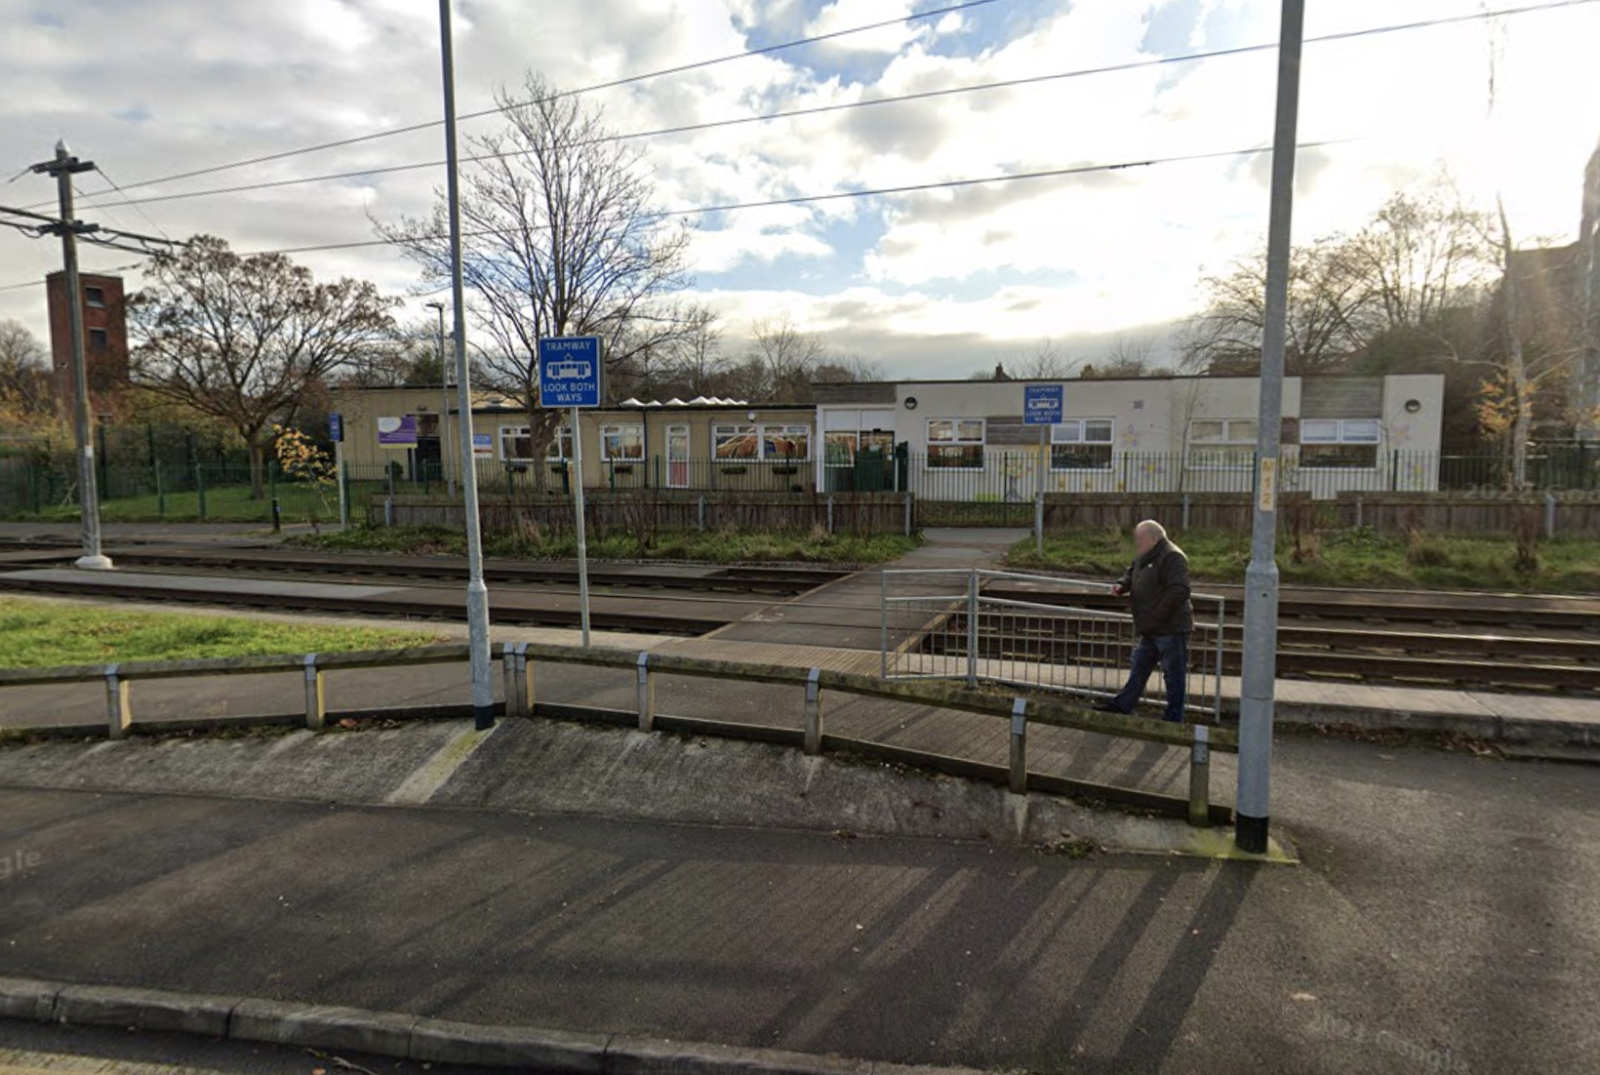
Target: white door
(677, 457)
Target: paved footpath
(1445, 919)
(847, 614)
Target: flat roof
(1155, 377)
(677, 408)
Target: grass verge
(43, 634)
(1349, 558)
(297, 502)
(725, 547)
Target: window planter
(733, 470)
(786, 470)
(624, 468)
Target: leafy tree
(24, 374)
(246, 340)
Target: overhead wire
(807, 199)
(842, 106)
(128, 201)
(764, 50)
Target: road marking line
(32, 1063)
(431, 775)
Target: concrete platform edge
(412, 1037)
(1509, 731)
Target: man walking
(1158, 584)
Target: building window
(621, 442)
(955, 443)
(786, 442)
(95, 296)
(736, 442)
(1340, 443)
(98, 339)
(516, 444)
(1222, 443)
(560, 445)
(842, 445)
(1081, 444)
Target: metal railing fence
(1019, 630)
(516, 661)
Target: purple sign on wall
(398, 432)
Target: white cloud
(954, 272)
(849, 14)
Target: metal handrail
(515, 658)
(934, 630)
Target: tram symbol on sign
(569, 371)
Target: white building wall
(1151, 420)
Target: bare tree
(560, 237)
(1421, 255)
(1128, 356)
(849, 368)
(697, 359)
(1324, 299)
(246, 340)
(1049, 360)
(786, 356)
(24, 376)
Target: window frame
(958, 442)
(1058, 437)
(621, 429)
(1346, 434)
(516, 433)
(561, 444)
(787, 429)
(94, 296)
(732, 431)
(1229, 440)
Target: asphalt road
(38, 1049)
(1444, 920)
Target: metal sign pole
(1038, 522)
(338, 476)
(578, 511)
(1260, 658)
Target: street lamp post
(1259, 660)
(444, 406)
(477, 591)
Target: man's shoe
(1107, 707)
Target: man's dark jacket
(1159, 584)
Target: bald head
(1147, 535)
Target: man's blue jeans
(1171, 652)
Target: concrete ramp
(563, 768)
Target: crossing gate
(1035, 631)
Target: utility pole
(1260, 657)
(444, 406)
(63, 166)
(477, 591)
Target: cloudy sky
(931, 284)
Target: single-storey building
(696, 444)
(942, 440)
(966, 440)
